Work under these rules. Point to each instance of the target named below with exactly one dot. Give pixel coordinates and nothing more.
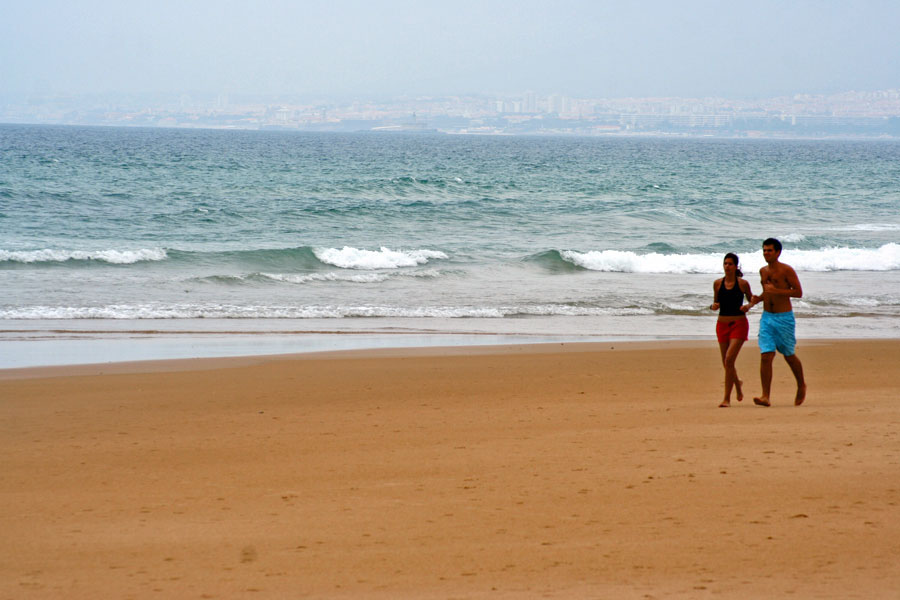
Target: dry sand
(560, 471)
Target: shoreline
(435, 350)
(125, 347)
(25, 344)
(204, 363)
(558, 470)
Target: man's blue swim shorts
(776, 332)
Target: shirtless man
(776, 326)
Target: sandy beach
(552, 471)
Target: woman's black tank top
(730, 301)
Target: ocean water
(120, 236)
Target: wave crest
(116, 257)
(885, 258)
(553, 260)
(385, 258)
(619, 261)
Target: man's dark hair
(774, 243)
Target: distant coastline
(847, 115)
(573, 133)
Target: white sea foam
(228, 311)
(385, 258)
(793, 238)
(313, 277)
(119, 257)
(863, 302)
(619, 261)
(346, 277)
(564, 310)
(867, 227)
(885, 258)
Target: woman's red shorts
(732, 330)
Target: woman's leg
(729, 351)
(723, 349)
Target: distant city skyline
(849, 113)
(577, 48)
(527, 100)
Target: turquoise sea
(121, 243)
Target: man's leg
(797, 369)
(765, 377)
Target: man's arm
(748, 293)
(763, 278)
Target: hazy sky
(595, 48)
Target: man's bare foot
(761, 401)
(739, 389)
(725, 404)
(801, 395)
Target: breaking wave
(299, 258)
(885, 258)
(116, 257)
(385, 258)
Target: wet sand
(562, 471)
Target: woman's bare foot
(762, 401)
(737, 388)
(801, 395)
(725, 404)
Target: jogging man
(777, 326)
